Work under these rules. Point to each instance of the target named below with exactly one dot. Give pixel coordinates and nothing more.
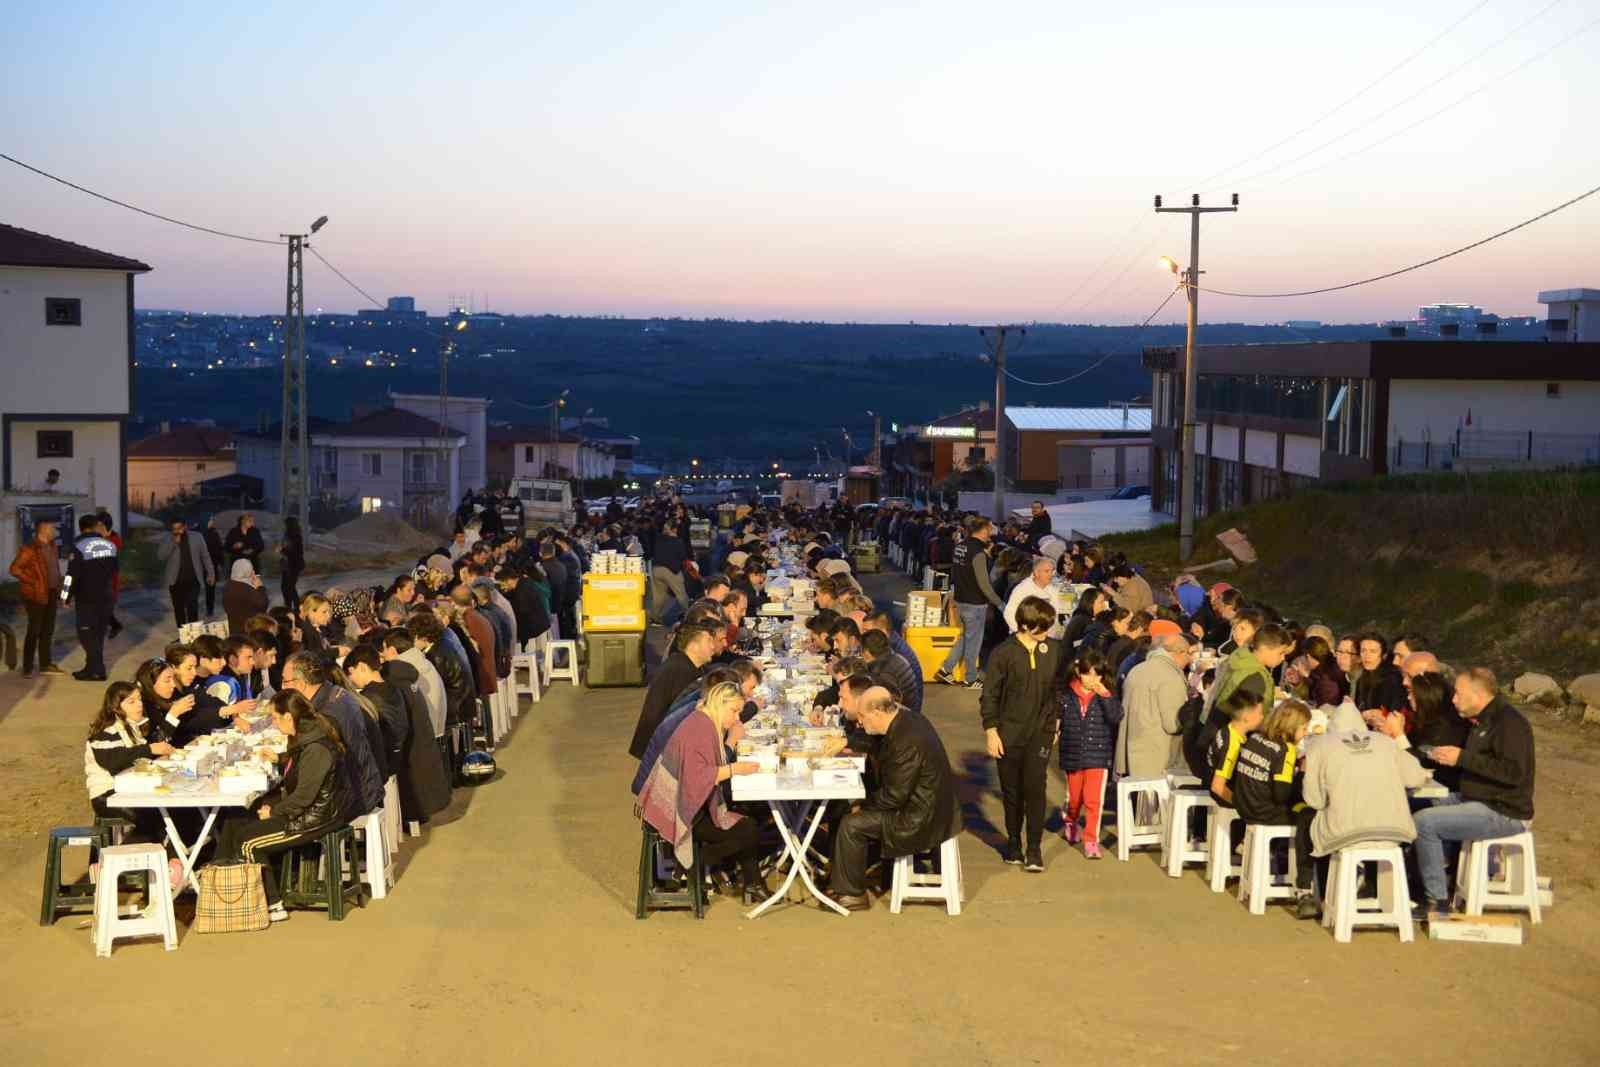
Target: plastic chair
(391, 814)
(567, 673)
(1256, 885)
(1518, 886)
(1176, 848)
(524, 664)
(325, 877)
(1344, 909)
(155, 920)
(1219, 847)
(945, 886)
(59, 899)
(371, 831)
(650, 898)
(1131, 833)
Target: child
(119, 735)
(1267, 789)
(1020, 713)
(1089, 718)
(1266, 648)
(1243, 709)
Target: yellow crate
(932, 644)
(613, 594)
(612, 622)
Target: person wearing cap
(1160, 630)
(1148, 741)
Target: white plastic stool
(570, 671)
(1518, 885)
(944, 886)
(1256, 886)
(370, 828)
(1176, 848)
(391, 814)
(1219, 847)
(499, 718)
(1132, 834)
(527, 662)
(1344, 909)
(156, 918)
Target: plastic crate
(615, 659)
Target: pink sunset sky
(942, 162)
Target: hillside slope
(1501, 569)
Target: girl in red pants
(1089, 718)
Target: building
(1274, 418)
(963, 441)
(67, 344)
(389, 460)
(1571, 314)
(469, 415)
(597, 431)
(527, 452)
(173, 463)
(396, 310)
(256, 455)
(1034, 436)
(404, 304)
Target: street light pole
(1191, 282)
(294, 449)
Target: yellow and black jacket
(1266, 788)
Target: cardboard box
(1485, 929)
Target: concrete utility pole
(877, 441)
(1191, 282)
(999, 333)
(453, 324)
(294, 449)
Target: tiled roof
(185, 442)
(391, 422)
(24, 248)
(1081, 420)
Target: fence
(1511, 448)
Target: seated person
(839, 669)
(1267, 790)
(844, 638)
(680, 798)
(1244, 710)
(880, 620)
(889, 668)
(1495, 795)
(914, 808)
(1433, 721)
(120, 734)
(693, 647)
(686, 703)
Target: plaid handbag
(231, 899)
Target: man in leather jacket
(914, 808)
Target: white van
(545, 502)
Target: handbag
(231, 899)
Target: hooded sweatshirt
(1357, 780)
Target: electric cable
(1097, 363)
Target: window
(200, 467)
(422, 464)
(63, 311)
(1552, 390)
(370, 504)
(55, 444)
(330, 461)
(372, 464)
(527, 453)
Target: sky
(930, 161)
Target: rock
(1585, 689)
(1591, 715)
(1533, 686)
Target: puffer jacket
(1088, 729)
(313, 792)
(32, 573)
(458, 687)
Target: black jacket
(93, 570)
(458, 689)
(394, 725)
(1266, 786)
(677, 673)
(916, 788)
(314, 791)
(1497, 761)
(244, 544)
(422, 778)
(1382, 688)
(362, 748)
(1019, 691)
(1445, 728)
(898, 676)
(528, 606)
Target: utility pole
(1191, 282)
(294, 462)
(1000, 333)
(877, 442)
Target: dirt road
(510, 938)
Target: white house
(468, 414)
(389, 461)
(527, 452)
(67, 346)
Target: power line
(1414, 266)
(131, 207)
(345, 278)
(1097, 363)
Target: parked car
(1130, 492)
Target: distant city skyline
(936, 164)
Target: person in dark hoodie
(423, 778)
(312, 799)
(307, 675)
(91, 581)
(365, 673)
(1020, 714)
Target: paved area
(510, 938)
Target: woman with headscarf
(243, 596)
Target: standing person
(104, 529)
(666, 573)
(244, 542)
(243, 596)
(214, 550)
(969, 574)
(292, 560)
(1089, 719)
(37, 569)
(188, 564)
(1038, 525)
(92, 576)
(1020, 718)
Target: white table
(209, 798)
(778, 791)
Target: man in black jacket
(1496, 793)
(365, 672)
(1038, 525)
(1020, 715)
(244, 542)
(427, 633)
(974, 595)
(692, 648)
(424, 780)
(913, 809)
(306, 674)
(92, 579)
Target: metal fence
(1511, 448)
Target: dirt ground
(510, 937)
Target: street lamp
(1167, 263)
